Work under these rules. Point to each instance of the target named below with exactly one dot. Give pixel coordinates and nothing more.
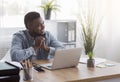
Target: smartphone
(38, 68)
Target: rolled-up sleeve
(17, 52)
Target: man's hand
(43, 46)
(40, 43)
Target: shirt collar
(30, 37)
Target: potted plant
(89, 35)
(91, 60)
(48, 7)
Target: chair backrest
(7, 57)
(6, 38)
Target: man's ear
(28, 25)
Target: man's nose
(41, 27)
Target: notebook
(97, 60)
(11, 78)
(7, 69)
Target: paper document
(97, 60)
(15, 63)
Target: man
(34, 42)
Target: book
(7, 69)
(13, 62)
(16, 64)
(12, 78)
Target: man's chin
(42, 32)
(38, 34)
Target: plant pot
(90, 63)
(47, 14)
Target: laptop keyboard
(49, 66)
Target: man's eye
(37, 25)
(42, 23)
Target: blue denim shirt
(22, 49)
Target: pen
(26, 64)
(22, 65)
(29, 64)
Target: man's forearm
(20, 55)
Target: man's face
(36, 27)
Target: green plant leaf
(50, 5)
(89, 31)
(90, 54)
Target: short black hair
(29, 17)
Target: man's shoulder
(21, 32)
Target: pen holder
(27, 74)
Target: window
(12, 12)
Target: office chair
(7, 57)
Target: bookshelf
(63, 30)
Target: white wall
(114, 52)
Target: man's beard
(38, 34)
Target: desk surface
(80, 73)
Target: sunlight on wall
(116, 14)
(114, 52)
(67, 9)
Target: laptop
(64, 58)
